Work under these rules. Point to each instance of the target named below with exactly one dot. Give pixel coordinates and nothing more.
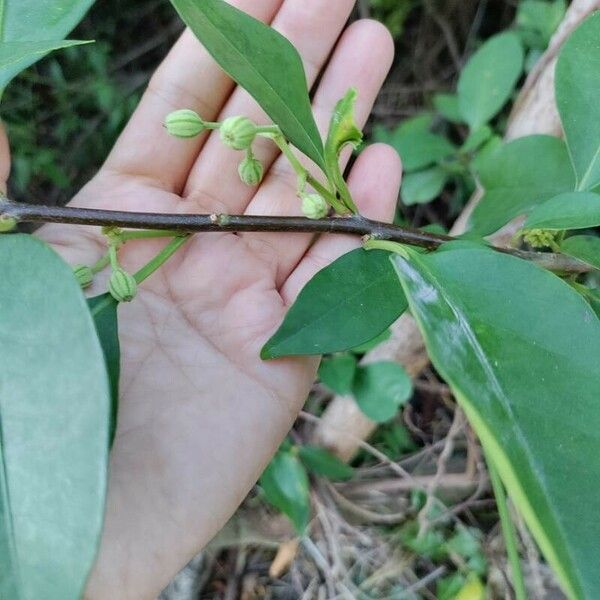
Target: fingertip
(376, 37)
(375, 181)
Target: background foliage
(81, 98)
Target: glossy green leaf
(263, 62)
(447, 106)
(337, 373)
(583, 247)
(343, 132)
(54, 412)
(285, 485)
(572, 210)
(520, 348)
(323, 463)
(27, 25)
(489, 78)
(380, 389)
(104, 313)
(345, 304)
(423, 186)
(519, 176)
(577, 92)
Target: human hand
(200, 414)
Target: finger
(187, 78)
(361, 60)
(374, 183)
(313, 27)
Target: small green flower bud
(84, 275)
(184, 123)
(251, 171)
(540, 238)
(238, 132)
(7, 224)
(314, 206)
(122, 286)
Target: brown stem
(356, 225)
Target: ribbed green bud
(314, 206)
(251, 171)
(7, 224)
(540, 238)
(184, 123)
(84, 275)
(122, 286)
(238, 132)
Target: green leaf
(447, 106)
(323, 463)
(541, 17)
(419, 149)
(446, 588)
(337, 373)
(485, 153)
(380, 389)
(519, 176)
(343, 131)
(368, 346)
(430, 544)
(285, 485)
(54, 412)
(104, 313)
(465, 542)
(572, 210)
(420, 123)
(489, 78)
(14, 54)
(27, 25)
(577, 92)
(347, 303)
(263, 62)
(423, 186)
(591, 295)
(583, 247)
(520, 348)
(476, 139)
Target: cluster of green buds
(541, 238)
(239, 132)
(236, 132)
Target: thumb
(4, 159)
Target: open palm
(200, 413)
